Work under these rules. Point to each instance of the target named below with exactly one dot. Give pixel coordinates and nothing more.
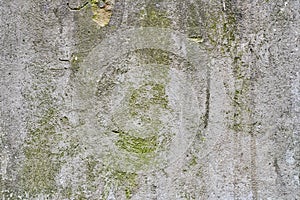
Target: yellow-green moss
(91, 163)
(221, 29)
(153, 56)
(148, 94)
(194, 23)
(43, 157)
(193, 161)
(120, 180)
(128, 181)
(41, 165)
(152, 17)
(136, 144)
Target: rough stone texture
(158, 99)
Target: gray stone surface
(158, 99)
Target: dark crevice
(64, 60)
(77, 8)
(277, 169)
(207, 101)
(280, 179)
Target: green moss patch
(136, 144)
(127, 180)
(41, 165)
(154, 56)
(148, 94)
(152, 17)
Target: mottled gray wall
(143, 99)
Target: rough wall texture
(143, 99)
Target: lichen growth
(141, 100)
(43, 156)
(148, 94)
(127, 180)
(91, 163)
(153, 17)
(194, 24)
(153, 56)
(41, 165)
(193, 161)
(126, 183)
(138, 123)
(221, 28)
(137, 145)
(239, 100)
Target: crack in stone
(77, 8)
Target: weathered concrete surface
(149, 99)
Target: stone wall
(161, 99)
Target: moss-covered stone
(221, 28)
(128, 181)
(137, 145)
(144, 104)
(41, 165)
(148, 94)
(154, 56)
(153, 17)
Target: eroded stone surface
(219, 89)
